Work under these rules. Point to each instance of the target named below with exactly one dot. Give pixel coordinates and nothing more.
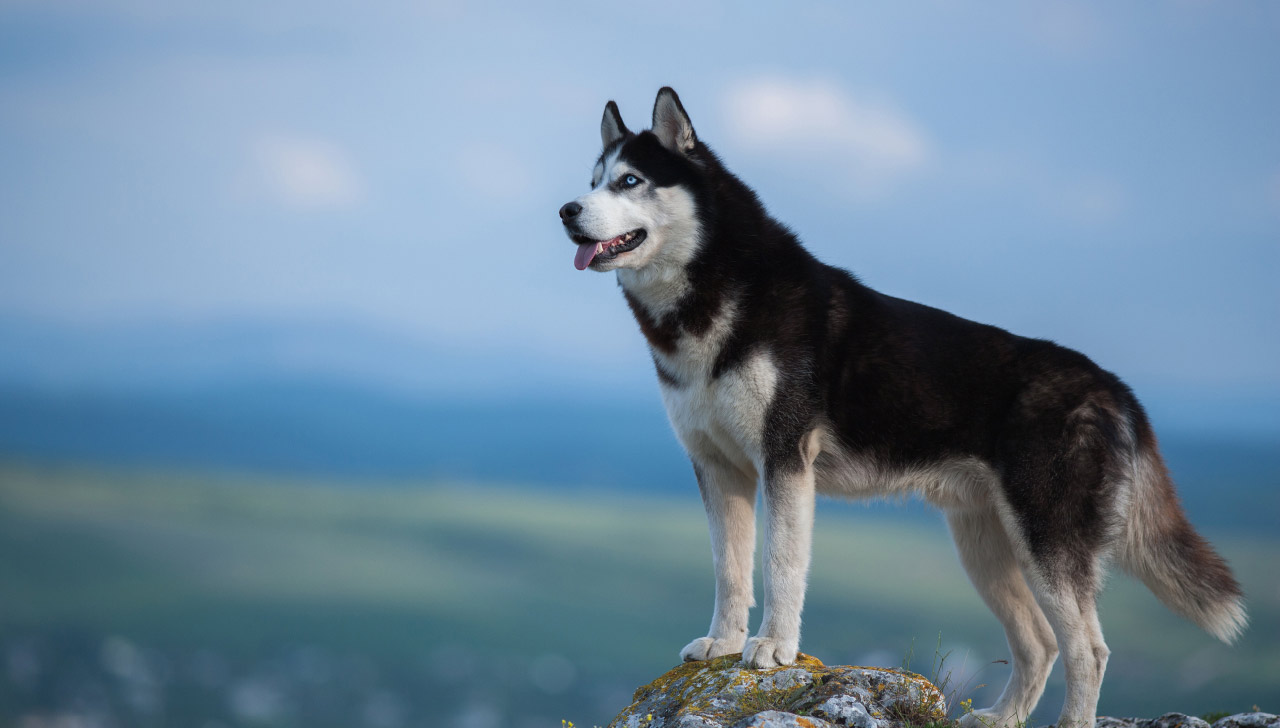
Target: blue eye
(631, 180)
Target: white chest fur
(719, 419)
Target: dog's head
(641, 211)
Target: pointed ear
(671, 124)
(611, 127)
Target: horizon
(152, 360)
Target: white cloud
(876, 144)
(307, 172)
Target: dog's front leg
(788, 498)
(730, 498)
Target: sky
(1106, 175)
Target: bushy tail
(1174, 561)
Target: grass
(756, 700)
(439, 585)
(942, 678)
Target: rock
(1178, 720)
(723, 693)
(846, 710)
(1249, 720)
(1168, 720)
(1175, 720)
(779, 719)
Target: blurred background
(306, 418)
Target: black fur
(899, 383)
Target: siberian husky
(778, 370)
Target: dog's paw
(769, 652)
(709, 648)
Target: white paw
(709, 648)
(769, 652)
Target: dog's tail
(1176, 563)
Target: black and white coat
(782, 372)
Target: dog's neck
(675, 304)
(658, 288)
(656, 294)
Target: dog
(778, 370)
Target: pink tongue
(586, 253)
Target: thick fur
(780, 371)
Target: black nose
(570, 211)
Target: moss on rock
(723, 693)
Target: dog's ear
(671, 124)
(611, 127)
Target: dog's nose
(570, 211)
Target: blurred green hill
(146, 598)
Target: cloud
(874, 142)
(306, 172)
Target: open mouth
(589, 250)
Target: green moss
(694, 687)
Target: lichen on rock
(724, 693)
(847, 710)
(1178, 720)
(1168, 720)
(1249, 720)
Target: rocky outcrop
(1178, 720)
(1249, 720)
(723, 693)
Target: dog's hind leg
(730, 498)
(989, 558)
(1071, 606)
(1064, 487)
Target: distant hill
(335, 429)
(344, 401)
(338, 430)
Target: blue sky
(1105, 175)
